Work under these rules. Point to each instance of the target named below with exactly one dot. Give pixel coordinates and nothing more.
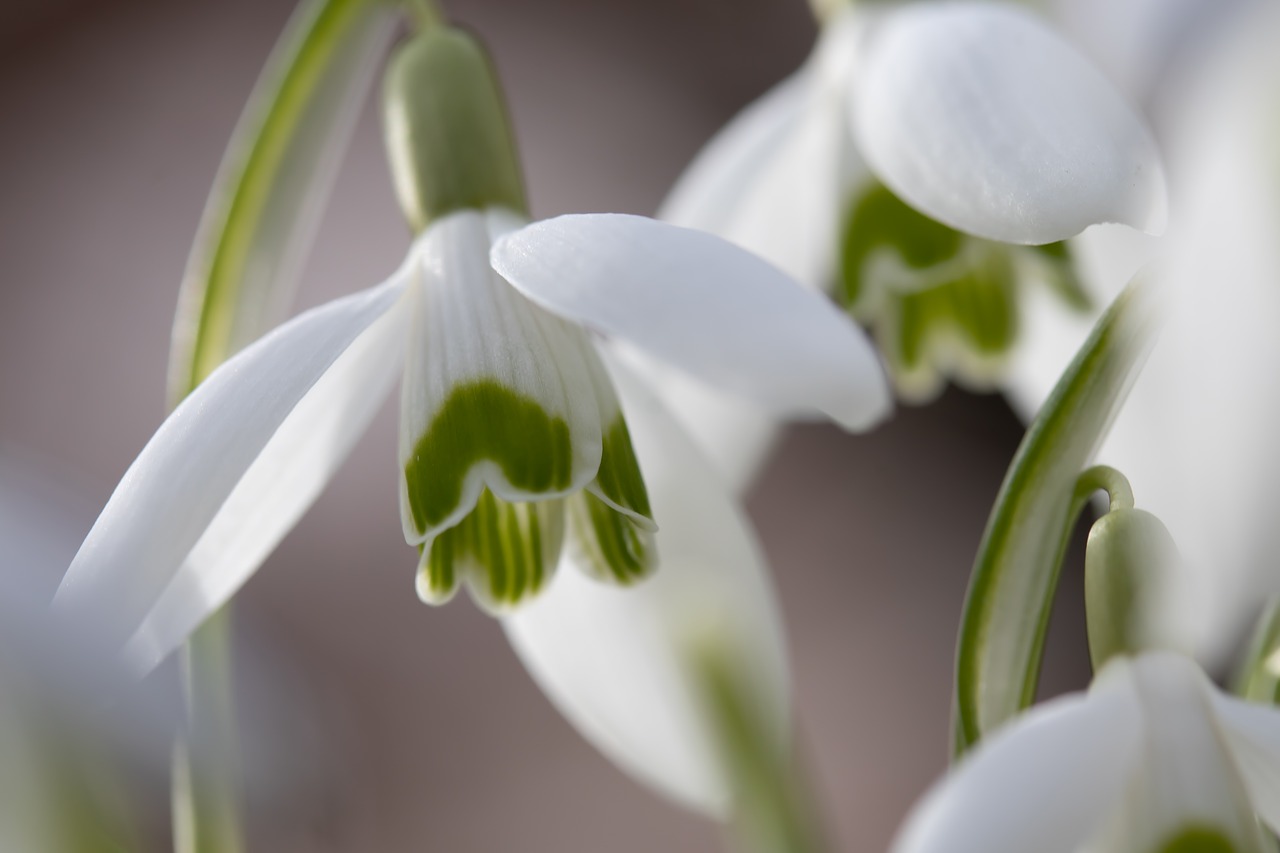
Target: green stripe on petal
(613, 546)
(619, 481)
(485, 421)
(505, 551)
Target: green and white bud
(448, 136)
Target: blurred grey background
(406, 727)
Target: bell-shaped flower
(511, 436)
(1153, 758)
(618, 663)
(896, 168)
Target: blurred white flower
(1197, 434)
(618, 662)
(1153, 758)
(975, 114)
(506, 411)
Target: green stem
(206, 800)
(1107, 479)
(427, 14)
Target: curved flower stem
(427, 14)
(1107, 479)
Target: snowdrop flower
(1153, 758)
(510, 430)
(617, 662)
(1196, 436)
(896, 167)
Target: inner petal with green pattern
(940, 303)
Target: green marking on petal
(614, 547)
(479, 421)
(619, 478)
(879, 220)
(1198, 840)
(939, 302)
(505, 551)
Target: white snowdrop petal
(276, 490)
(1044, 782)
(614, 660)
(1252, 733)
(983, 118)
(704, 305)
(176, 489)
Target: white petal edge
(277, 489)
(983, 118)
(720, 176)
(703, 305)
(1044, 782)
(614, 660)
(1253, 735)
(173, 493)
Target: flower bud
(1128, 559)
(448, 137)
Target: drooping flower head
(512, 440)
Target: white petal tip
(982, 117)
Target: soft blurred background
(392, 726)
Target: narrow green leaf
(276, 172)
(1006, 612)
(1258, 679)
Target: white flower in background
(976, 115)
(508, 421)
(1197, 434)
(617, 661)
(1153, 759)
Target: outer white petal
(615, 660)
(775, 179)
(734, 435)
(1186, 778)
(1253, 734)
(984, 119)
(172, 499)
(277, 489)
(470, 326)
(721, 314)
(713, 187)
(1045, 782)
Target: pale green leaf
(275, 175)
(1006, 613)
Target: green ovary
(485, 421)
